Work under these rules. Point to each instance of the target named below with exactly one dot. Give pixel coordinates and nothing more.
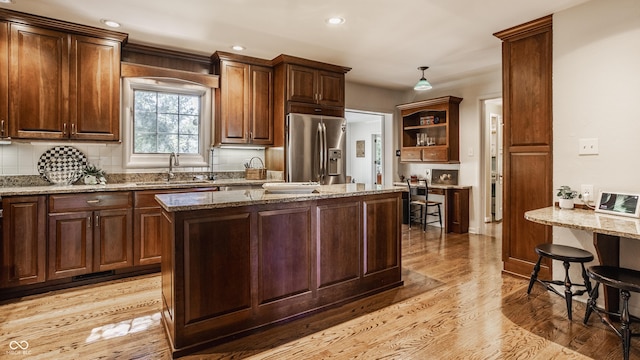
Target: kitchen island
(237, 261)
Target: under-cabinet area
(68, 239)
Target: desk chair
(626, 281)
(419, 209)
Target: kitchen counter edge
(237, 198)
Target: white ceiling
(383, 41)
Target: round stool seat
(564, 253)
(619, 278)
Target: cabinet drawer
(436, 191)
(89, 201)
(408, 154)
(146, 198)
(435, 154)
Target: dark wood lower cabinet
(229, 271)
(89, 233)
(23, 241)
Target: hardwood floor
(455, 304)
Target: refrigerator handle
(325, 153)
(321, 152)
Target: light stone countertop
(236, 198)
(588, 220)
(128, 186)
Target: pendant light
(422, 84)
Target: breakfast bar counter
(607, 231)
(237, 261)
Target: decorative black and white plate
(62, 164)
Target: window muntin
(165, 122)
(175, 123)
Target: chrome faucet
(173, 161)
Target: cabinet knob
(93, 202)
(2, 128)
(64, 129)
(73, 128)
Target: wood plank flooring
(455, 304)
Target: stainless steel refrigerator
(315, 149)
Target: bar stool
(625, 280)
(568, 255)
(418, 209)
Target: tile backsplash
(22, 158)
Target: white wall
(359, 168)
(372, 99)
(596, 95)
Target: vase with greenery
(566, 196)
(92, 175)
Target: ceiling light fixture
(336, 20)
(422, 84)
(110, 23)
(6, 1)
(238, 47)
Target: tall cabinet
(4, 79)
(528, 134)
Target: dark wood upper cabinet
(4, 79)
(436, 119)
(244, 102)
(39, 83)
(94, 89)
(64, 79)
(528, 148)
(307, 87)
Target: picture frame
(359, 148)
(617, 203)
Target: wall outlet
(587, 192)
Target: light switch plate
(588, 146)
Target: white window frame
(145, 161)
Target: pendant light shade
(422, 84)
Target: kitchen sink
(176, 182)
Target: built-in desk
(607, 231)
(456, 205)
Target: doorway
(492, 127)
(365, 147)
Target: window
(165, 122)
(163, 116)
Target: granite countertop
(435, 186)
(126, 186)
(586, 220)
(237, 198)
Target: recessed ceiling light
(237, 47)
(336, 20)
(6, 1)
(110, 23)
